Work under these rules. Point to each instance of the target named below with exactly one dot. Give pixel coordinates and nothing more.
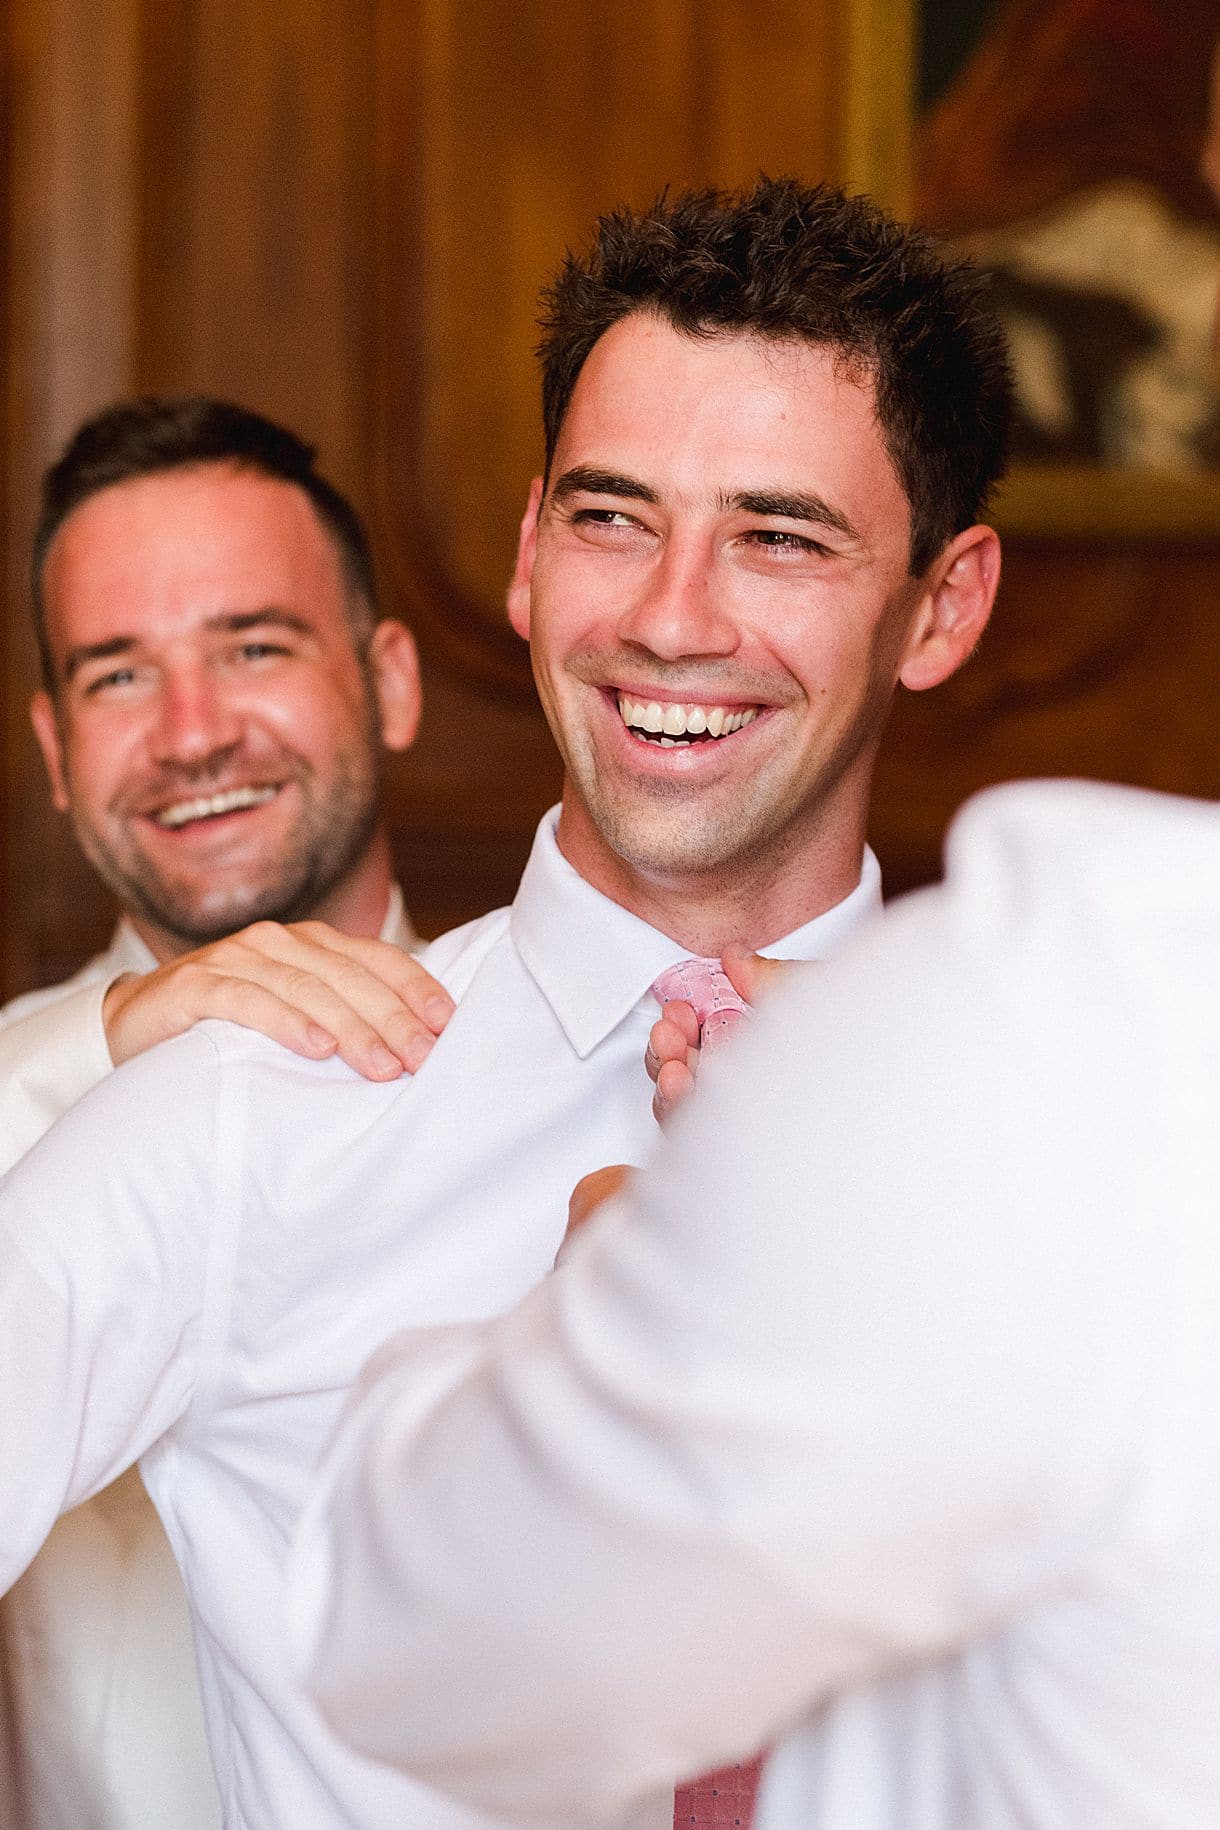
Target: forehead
(726, 413)
(152, 557)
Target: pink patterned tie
(704, 984)
(726, 1797)
(720, 1799)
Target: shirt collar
(128, 953)
(397, 924)
(593, 960)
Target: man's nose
(194, 717)
(681, 607)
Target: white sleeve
(838, 1386)
(106, 1241)
(48, 1060)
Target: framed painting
(1072, 147)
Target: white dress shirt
(53, 1042)
(102, 1711)
(886, 1410)
(252, 1224)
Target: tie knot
(703, 984)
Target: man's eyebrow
(582, 481)
(236, 622)
(84, 652)
(229, 622)
(793, 506)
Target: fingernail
(383, 1062)
(416, 1053)
(437, 1012)
(319, 1039)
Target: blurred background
(340, 211)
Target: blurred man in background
(218, 697)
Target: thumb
(750, 974)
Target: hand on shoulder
(307, 986)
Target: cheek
(99, 753)
(326, 710)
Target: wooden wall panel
(496, 146)
(69, 146)
(1101, 661)
(340, 211)
(496, 149)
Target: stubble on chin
(195, 909)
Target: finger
(138, 1013)
(333, 985)
(592, 1192)
(400, 971)
(675, 1083)
(668, 1041)
(679, 1012)
(373, 1032)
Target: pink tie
(704, 984)
(720, 1799)
(726, 1797)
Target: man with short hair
(218, 693)
(772, 422)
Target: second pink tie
(724, 1798)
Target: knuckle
(310, 930)
(262, 933)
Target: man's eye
(779, 540)
(604, 517)
(102, 683)
(261, 651)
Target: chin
(673, 849)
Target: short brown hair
(159, 433)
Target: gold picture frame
(1054, 501)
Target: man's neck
(703, 912)
(357, 906)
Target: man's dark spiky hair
(795, 262)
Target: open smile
(177, 814)
(679, 726)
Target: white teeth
(670, 722)
(207, 806)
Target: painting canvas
(1073, 148)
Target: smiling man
(723, 584)
(219, 694)
(771, 424)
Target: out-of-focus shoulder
(1090, 829)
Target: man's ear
(46, 730)
(958, 594)
(523, 571)
(394, 666)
